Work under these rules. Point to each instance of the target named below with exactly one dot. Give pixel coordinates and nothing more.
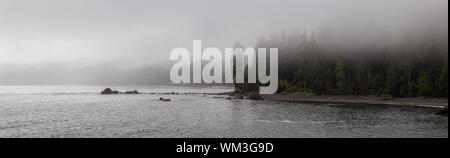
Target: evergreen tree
(340, 76)
(443, 80)
(425, 84)
(307, 64)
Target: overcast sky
(66, 38)
(145, 31)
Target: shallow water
(79, 111)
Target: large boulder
(109, 91)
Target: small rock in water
(132, 92)
(109, 91)
(162, 99)
(238, 97)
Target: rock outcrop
(109, 91)
(132, 92)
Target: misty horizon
(108, 42)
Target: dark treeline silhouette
(368, 63)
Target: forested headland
(375, 62)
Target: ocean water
(80, 111)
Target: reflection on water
(83, 113)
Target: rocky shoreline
(440, 103)
(108, 91)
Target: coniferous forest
(377, 63)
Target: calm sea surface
(80, 111)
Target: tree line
(409, 66)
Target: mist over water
(112, 42)
(56, 56)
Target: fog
(128, 42)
